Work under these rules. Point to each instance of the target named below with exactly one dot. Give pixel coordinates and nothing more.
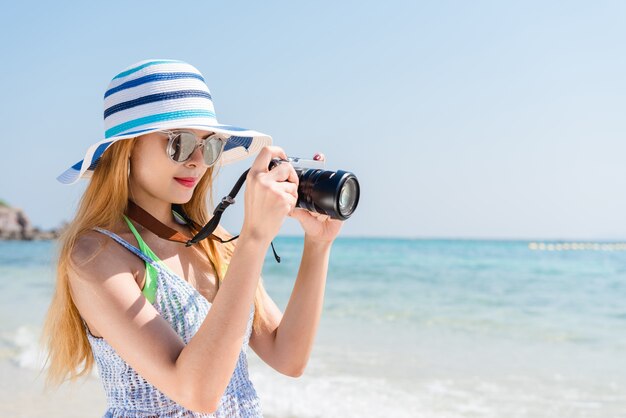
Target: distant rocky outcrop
(15, 225)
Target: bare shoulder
(87, 248)
(96, 256)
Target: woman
(167, 324)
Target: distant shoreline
(16, 226)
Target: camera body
(332, 193)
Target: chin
(178, 196)
(181, 200)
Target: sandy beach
(23, 395)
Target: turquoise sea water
(413, 328)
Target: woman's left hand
(316, 226)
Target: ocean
(410, 328)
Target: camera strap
(140, 215)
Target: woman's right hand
(270, 195)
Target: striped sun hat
(154, 95)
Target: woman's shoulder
(96, 255)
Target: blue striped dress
(129, 395)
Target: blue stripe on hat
(147, 64)
(155, 98)
(152, 77)
(238, 141)
(160, 117)
(95, 157)
(97, 153)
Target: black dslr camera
(332, 193)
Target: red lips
(187, 181)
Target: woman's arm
(195, 376)
(286, 341)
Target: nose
(197, 157)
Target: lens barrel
(332, 193)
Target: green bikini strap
(149, 288)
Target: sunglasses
(182, 144)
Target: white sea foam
(20, 346)
(327, 391)
(330, 396)
(28, 352)
(316, 394)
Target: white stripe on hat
(161, 86)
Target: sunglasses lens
(182, 146)
(212, 150)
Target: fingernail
(317, 156)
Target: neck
(159, 209)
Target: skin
(106, 285)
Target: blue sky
(483, 119)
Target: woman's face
(154, 175)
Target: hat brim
(241, 144)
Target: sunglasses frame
(171, 136)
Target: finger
(284, 172)
(299, 213)
(293, 176)
(289, 188)
(319, 216)
(267, 153)
(292, 203)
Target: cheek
(150, 164)
(150, 151)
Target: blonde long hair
(103, 203)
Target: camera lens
(348, 197)
(332, 193)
